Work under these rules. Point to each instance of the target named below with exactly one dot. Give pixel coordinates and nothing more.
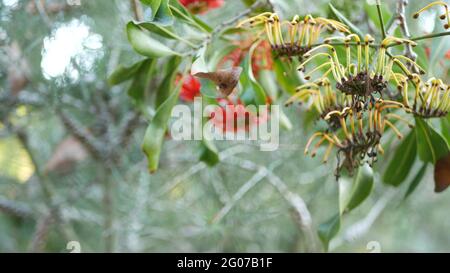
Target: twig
(401, 8)
(47, 187)
(238, 17)
(15, 209)
(219, 28)
(40, 5)
(81, 135)
(294, 200)
(41, 233)
(131, 122)
(429, 36)
(137, 10)
(108, 192)
(380, 17)
(257, 177)
(200, 166)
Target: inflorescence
(292, 38)
(347, 92)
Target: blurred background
(71, 166)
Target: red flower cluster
(201, 6)
(190, 88)
(236, 118)
(261, 59)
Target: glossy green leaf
(431, 145)
(144, 44)
(329, 229)
(166, 32)
(351, 195)
(415, 182)
(285, 122)
(141, 80)
(160, 11)
(401, 163)
(217, 54)
(341, 17)
(361, 188)
(268, 82)
(209, 152)
(286, 77)
(249, 82)
(181, 13)
(168, 82)
(199, 64)
(124, 73)
(372, 13)
(445, 124)
(153, 5)
(154, 135)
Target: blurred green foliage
(108, 201)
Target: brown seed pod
(442, 174)
(225, 80)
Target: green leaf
(181, 13)
(209, 153)
(141, 80)
(199, 64)
(217, 55)
(286, 76)
(285, 122)
(145, 45)
(154, 135)
(124, 73)
(160, 11)
(341, 17)
(351, 195)
(361, 189)
(401, 163)
(154, 6)
(415, 182)
(268, 82)
(166, 32)
(445, 124)
(431, 145)
(249, 82)
(372, 12)
(329, 229)
(168, 82)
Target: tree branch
(294, 200)
(380, 17)
(82, 135)
(15, 209)
(137, 10)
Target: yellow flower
(358, 139)
(319, 95)
(360, 76)
(292, 38)
(431, 98)
(444, 16)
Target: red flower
(428, 52)
(234, 117)
(261, 59)
(201, 6)
(447, 55)
(190, 88)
